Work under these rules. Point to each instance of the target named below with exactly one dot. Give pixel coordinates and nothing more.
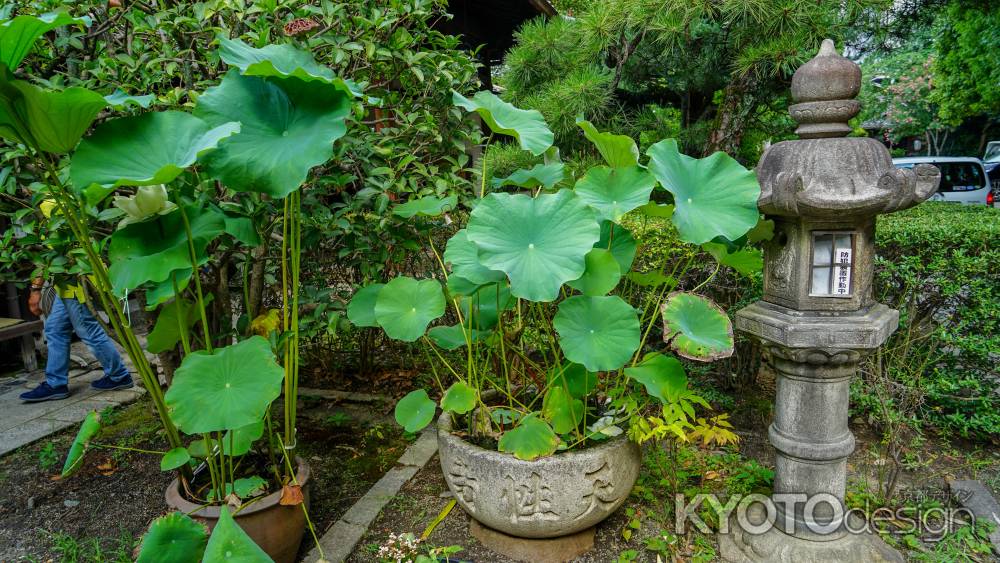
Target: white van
(963, 178)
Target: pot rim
(176, 500)
(444, 426)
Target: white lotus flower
(147, 203)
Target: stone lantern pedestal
(818, 319)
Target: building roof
(491, 23)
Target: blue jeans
(70, 315)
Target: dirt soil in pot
(100, 513)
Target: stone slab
(974, 496)
(550, 550)
(421, 451)
(76, 412)
(339, 540)
(792, 329)
(336, 395)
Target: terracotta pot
(547, 497)
(275, 528)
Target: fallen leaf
(233, 500)
(711, 475)
(291, 495)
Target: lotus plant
(256, 135)
(555, 323)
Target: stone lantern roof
(826, 174)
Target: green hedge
(939, 264)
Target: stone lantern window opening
(832, 264)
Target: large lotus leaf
(280, 60)
(663, 376)
(544, 175)
(225, 390)
(286, 130)
(229, 542)
(460, 398)
(620, 242)
(142, 150)
(601, 276)
(653, 209)
(415, 411)
(540, 243)
(175, 537)
(455, 336)
(746, 261)
(90, 427)
(481, 309)
(764, 230)
(166, 332)
(463, 255)
(619, 151)
(714, 196)
(696, 328)
(430, 206)
(601, 333)
(405, 306)
(159, 293)
(152, 250)
(613, 192)
(562, 410)
(530, 439)
(238, 442)
(527, 126)
(241, 228)
(55, 119)
(574, 377)
(18, 35)
(361, 309)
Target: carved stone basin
(544, 498)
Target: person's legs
(58, 335)
(58, 331)
(93, 335)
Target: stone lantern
(818, 318)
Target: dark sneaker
(45, 392)
(107, 384)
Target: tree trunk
(731, 121)
(256, 281)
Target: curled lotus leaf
(281, 60)
(601, 276)
(18, 34)
(696, 328)
(143, 150)
(619, 151)
(527, 126)
(88, 429)
(539, 175)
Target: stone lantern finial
(823, 90)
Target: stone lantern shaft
(818, 318)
